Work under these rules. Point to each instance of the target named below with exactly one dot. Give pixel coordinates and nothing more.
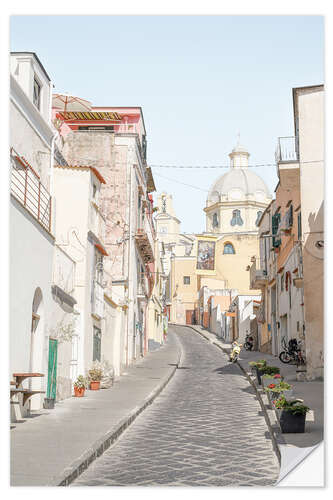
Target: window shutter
(275, 225)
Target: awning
(89, 115)
(101, 249)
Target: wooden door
(189, 316)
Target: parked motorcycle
(236, 349)
(292, 352)
(249, 342)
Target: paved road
(205, 429)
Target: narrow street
(205, 429)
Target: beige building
(216, 259)
(309, 131)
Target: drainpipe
(129, 266)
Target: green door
(52, 369)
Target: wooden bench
(18, 389)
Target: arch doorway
(36, 348)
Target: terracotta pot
(94, 385)
(79, 392)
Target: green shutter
(299, 226)
(275, 224)
(52, 369)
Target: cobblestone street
(205, 429)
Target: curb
(258, 395)
(97, 449)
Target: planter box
(292, 424)
(266, 381)
(259, 375)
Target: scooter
(236, 349)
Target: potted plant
(267, 379)
(80, 386)
(293, 415)
(258, 367)
(278, 404)
(285, 388)
(95, 375)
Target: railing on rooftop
(286, 150)
(26, 187)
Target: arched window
(215, 220)
(236, 218)
(228, 249)
(259, 214)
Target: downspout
(129, 267)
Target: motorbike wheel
(285, 357)
(248, 346)
(234, 359)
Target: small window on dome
(236, 218)
(259, 214)
(215, 220)
(228, 249)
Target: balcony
(286, 150)
(258, 277)
(97, 306)
(145, 242)
(97, 222)
(26, 187)
(63, 270)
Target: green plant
(270, 370)
(258, 364)
(95, 374)
(80, 382)
(295, 407)
(266, 376)
(280, 402)
(283, 386)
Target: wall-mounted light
(319, 244)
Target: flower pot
(79, 392)
(49, 403)
(288, 393)
(278, 412)
(94, 385)
(290, 423)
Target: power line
(229, 166)
(184, 183)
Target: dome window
(228, 249)
(259, 214)
(236, 218)
(215, 220)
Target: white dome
(236, 185)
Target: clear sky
(199, 79)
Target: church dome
(237, 184)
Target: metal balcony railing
(258, 276)
(98, 299)
(26, 187)
(63, 270)
(286, 150)
(97, 222)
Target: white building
(41, 304)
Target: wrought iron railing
(26, 187)
(286, 149)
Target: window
(228, 249)
(97, 344)
(187, 280)
(259, 214)
(36, 94)
(215, 220)
(164, 229)
(98, 128)
(299, 226)
(236, 218)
